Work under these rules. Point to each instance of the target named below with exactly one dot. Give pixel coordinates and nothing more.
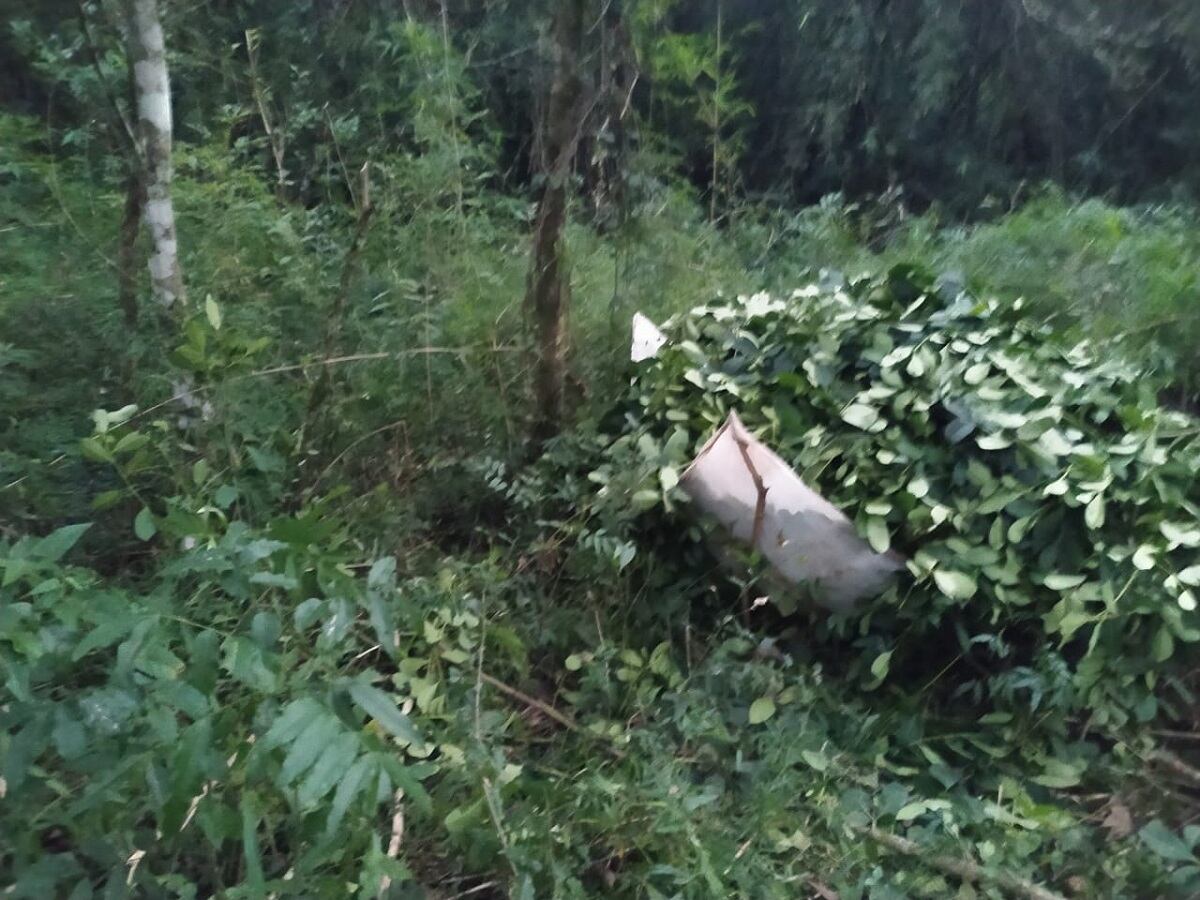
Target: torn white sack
(647, 339)
(761, 501)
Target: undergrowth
(310, 654)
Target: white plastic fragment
(761, 501)
(647, 339)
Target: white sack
(806, 538)
(647, 339)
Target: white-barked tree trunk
(147, 55)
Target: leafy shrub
(208, 732)
(1047, 504)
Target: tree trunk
(135, 200)
(548, 290)
(147, 56)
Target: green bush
(1047, 504)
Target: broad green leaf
(817, 760)
(380, 613)
(1059, 582)
(250, 851)
(881, 664)
(55, 545)
(1165, 843)
(382, 708)
(1057, 488)
(1094, 513)
(1180, 535)
(246, 662)
(333, 763)
(1163, 646)
(668, 477)
(212, 312)
(955, 585)
(1143, 557)
(296, 716)
(1191, 576)
(761, 710)
(356, 776)
(877, 534)
(309, 745)
(143, 525)
(910, 811)
(976, 374)
(993, 442)
(918, 487)
(861, 416)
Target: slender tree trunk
(148, 58)
(548, 290)
(716, 134)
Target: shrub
(1047, 504)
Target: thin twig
(397, 838)
(961, 868)
(760, 505)
(1179, 735)
(1176, 766)
(545, 708)
(329, 361)
(475, 890)
(277, 142)
(337, 459)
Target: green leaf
(1164, 842)
(308, 746)
(213, 312)
(877, 534)
(245, 661)
(1190, 576)
(1057, 488)
(668, 477)
(382, 709)
(861, 416)
(817, 760)
(380, 613)
(250, 851)
(761, 710)
(143, 525)
(1163, 646)
(1143, 557)
(348, 788)
(918, 487)
(976, 374)
(94, 450)
(993, 442)
(1093, 515)
(296, 716)
(910, 811)
(107, 499)
(1059, 582)
(955, 585)
(333, 763)
(881, 664)
(1180, 535)
(55, 545)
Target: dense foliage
(1047, 503)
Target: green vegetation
(291, 606)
